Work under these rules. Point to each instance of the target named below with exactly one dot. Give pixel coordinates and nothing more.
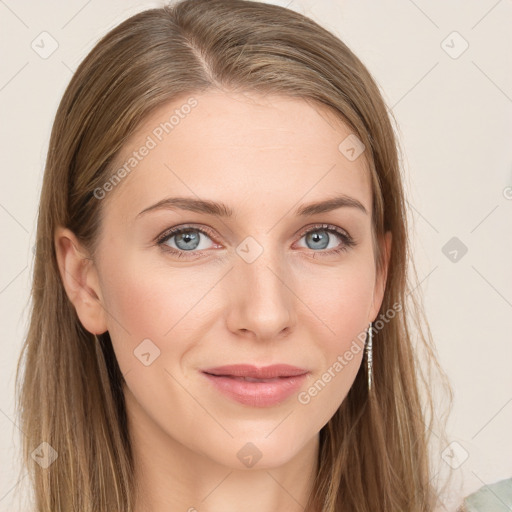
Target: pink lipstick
(257, 386)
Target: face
(268, 284)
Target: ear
(80, 279)
(380, 280)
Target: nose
(261, 301)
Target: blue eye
(186, 241)
(321, 238)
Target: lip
(263, 372)
(276, 383)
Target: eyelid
(209, 231)
(318, 226)
(177, 229)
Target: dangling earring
(369, 355)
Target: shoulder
(495, 497)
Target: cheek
(342, 300)
(144, 303)
(342, 305)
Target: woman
(221, 304)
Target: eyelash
(348, 241)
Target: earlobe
(80, 279)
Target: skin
(263, 157)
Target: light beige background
(454, 109)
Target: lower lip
(257, 394)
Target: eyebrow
(220, 209)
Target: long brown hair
(374, 451)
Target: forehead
(246, 150)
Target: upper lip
(264, 372)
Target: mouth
(264, 373)
(247, 379)
(257, 387)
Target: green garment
(495, 497)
